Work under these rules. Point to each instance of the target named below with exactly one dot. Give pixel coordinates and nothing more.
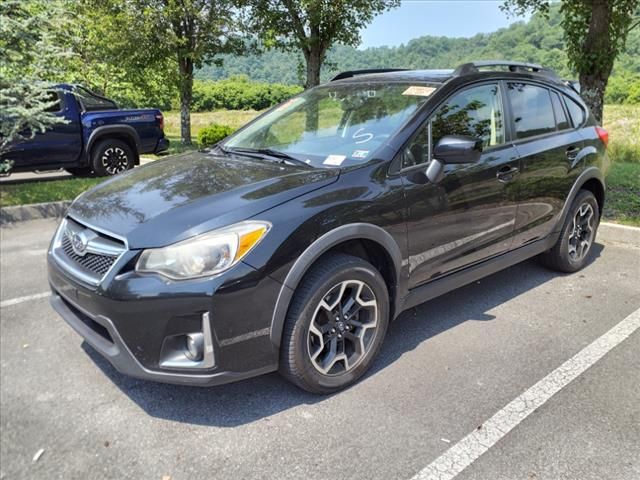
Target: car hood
(173, 199)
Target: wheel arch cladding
(590, 179)
(363, 240)
(597, 188)
(123, 133)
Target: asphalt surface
(446, 367)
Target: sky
(450, 18)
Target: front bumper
(127, 318)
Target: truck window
(92, 102)
(55, 105)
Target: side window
(532, 110)
(575, 111)
(53, 98)
(475, 112)
(562, 121)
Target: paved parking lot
(447, 370)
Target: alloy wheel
(582, 232)
(114, 160)
(343, 327)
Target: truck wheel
(110, 157)
(335, 325)
(571, 251)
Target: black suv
(292, 244)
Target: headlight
(207, 254)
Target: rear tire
(573, 248)
(335, 325)
(110, 157)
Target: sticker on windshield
(419, 91)
(334, 160)
(360, 153)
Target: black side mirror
(453, 149)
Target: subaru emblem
(79, 242)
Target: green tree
(106, 62)
(595, 33)
(313, 26)
(29, 51)
(186, 33)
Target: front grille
(98, 264)
(100, 251)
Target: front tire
(571, 251)
(335, 325)
(110, 157)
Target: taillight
(603, 134)
(160, 119)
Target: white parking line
(26, 298)
(467, 450)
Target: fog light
(194, 348)
(189, 350)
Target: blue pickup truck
(97, 139)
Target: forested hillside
(539, 40)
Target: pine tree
(29, 52)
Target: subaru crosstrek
(294, 242)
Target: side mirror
(453, 149)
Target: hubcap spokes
(343, 327)
(114, 160)
(581, 232)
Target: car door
(469, 215)
(550, 157)
(58, 145)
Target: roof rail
(574, 84)
(353, 73)
(474, 67)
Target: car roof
(466, 72)
(461, 75)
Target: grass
(623, 194)
(233, 118)
(623, 180)
(44, 191)
(623, 124)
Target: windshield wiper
(284, 157)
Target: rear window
(532, 110)
(561, 117)
(576, 112)
(91, 101)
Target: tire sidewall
(300, 338)
(101, 147)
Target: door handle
(572, 152)
(506, 173)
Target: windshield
(334, 125)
